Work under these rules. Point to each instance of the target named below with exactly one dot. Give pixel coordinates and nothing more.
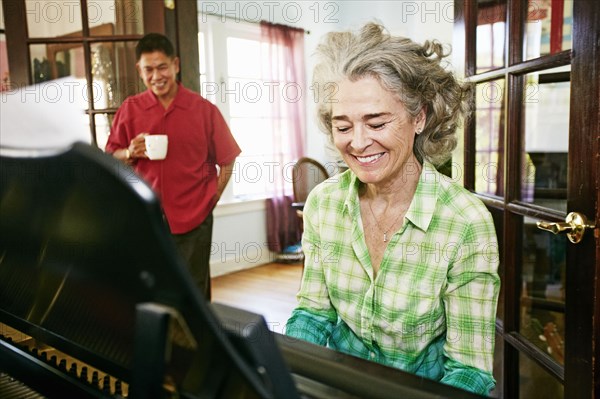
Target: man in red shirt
(186, 181)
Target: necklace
(385, 237)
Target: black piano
(96, 303)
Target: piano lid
(83, 243)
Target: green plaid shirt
(430, 310)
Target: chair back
(307, 173)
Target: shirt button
(372, 354)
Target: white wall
(239, 238)
(239, 234)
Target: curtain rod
(253, 21)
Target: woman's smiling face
(374, 132)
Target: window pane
(535, 382)
(240, 53)
(546, 113)
(260, 167)
(248, 98)
(489, 136)
(103, 123)
(202, 53)
(207, 89)
(491, 35)
(548, 28)
(53, 61)
(114, 74)
(53, 18)
(253, 175)
(254, 135)
(122, 17)
(543, 290)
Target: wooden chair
(307, 173)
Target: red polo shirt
(199, 139)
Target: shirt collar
(351, 203)
(181, 99)
(422, 206)
(424, 201)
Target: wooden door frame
(582, 377)
(581, 374)
(180, 24)
(17, 40)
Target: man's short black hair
(154, 42)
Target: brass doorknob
(574, 225)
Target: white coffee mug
(156, 146)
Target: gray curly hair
(405, 68)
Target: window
(234, 76)
(88, 43)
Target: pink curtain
(4, 77)
(283, 69)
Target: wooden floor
(269, 290)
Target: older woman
(401, 263)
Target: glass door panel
(92, 42)
(534, 382)
(548, 27)
(48, 19)
(114, 74)
(491, 34)
(489, 137)
(121, 17)
(546, 113)
(542, 304)
(103, 123)
(53, 61)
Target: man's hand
(137, 147)
(135, 150)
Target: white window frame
(216, 30)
